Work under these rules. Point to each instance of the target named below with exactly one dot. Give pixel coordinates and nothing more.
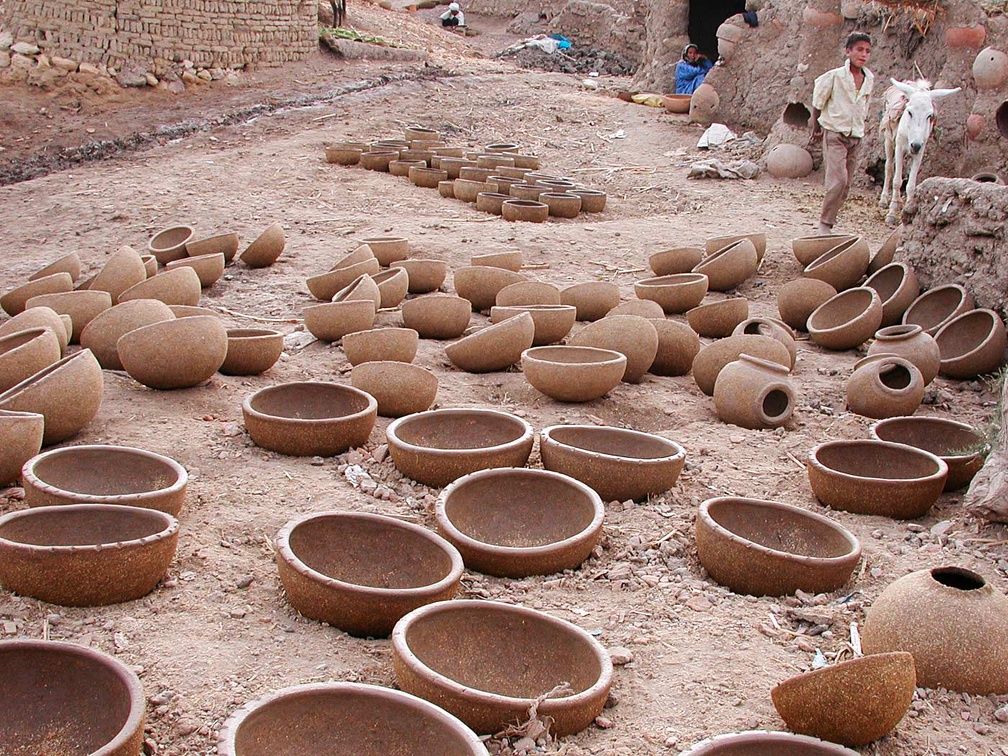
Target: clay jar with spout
(884, 385)
(754, 393)
(912, 344)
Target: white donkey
(906, 125)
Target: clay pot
(730, 266)
(668, 262)
(421, 132)
(676, 293)
(378, 160)
(69, 263)
(789, 161)
(936, 307)
(966, 36)
(592, 200)
(842, 266)
(13, 302)
(467, 189)
(766, 548)
(506, 260)
(711, 359)
(174, 354)
(81, 306)
(20, 440)
(334, 320)
(807, 249)
(266, 248)
(528, 293)
(912, 344)
(173, 287)
(123, 270)
(525, 162)
(402, 166)
(343, 155)
(102, 334)
(550, 322)
(854, 703)
(93, 702)
(209, 268)
(513, 655)
(480, 284)
(642, 308)
(190, 311)
(958, 445)
(885, 253)
(619, 464)
(38, 317)
(494, 161)
(953, 622)
(884, 385)
(455, 152)
(439, 446)
(763, 743)
(389, 144)
(251, 351)
(392, 287)
(422, 275)
(68, 393)
(573, 373)
(170, 243)
(362, 572)
(527, 191)
(990, 69)
(775, 329)
(491, 202)
(798, 299)
(677, 103)
(718, 319)
(447, 190)
(678, 345)
(715, 243)
(399, 387)
(501, 147)
(225, 244)
(504, 184)
(427, 178)
(325, 285)
(151, 264)
(441, 316)
(986, 177)
(524, 210)
(846, 320)
(897, 287)
(754, 393)
(495, 347)
(971, 344)
(593, 299)
(876, 477)
(394, 344)
(361, 253)
(454, 165)
(561, 204)
(704, 105)
(630, 335)
(24, 353)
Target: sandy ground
(218, 632)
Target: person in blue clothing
(691, 70)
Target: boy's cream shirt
(843, 108)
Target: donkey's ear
(937, 94)
(904, 87)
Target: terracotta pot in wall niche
(884, 385)
(990, 68)
(704, 105)
(912, 344)
(754, 393)
(966, 36)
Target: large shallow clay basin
(573, 373)
(60, 698)
(487, 662)
(763, 743)
(439, 446)
(105, 475)
(958, 445)
(344, 718)
(85, 554)
(362, 572)
(174, 354)
(515, 522)
(876, 477)
(309, 418)
(618, 463)
(766, 548)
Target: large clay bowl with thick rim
(487, 662)
(573, 373)
(512, 260)
(807, 248)
(766, 548)
(897, 287)
(13, 302)
(24, 353)
(885, 253)
(362, 572)
(86, 554)
(81, 306)
(251, 351)
(102, 334)
(766, 743)
(561, 204)
(343, 155)
(676, 293)
(20, 440)
(392, 287)
(798, 299)
(62, 698)
(729, 266)
(226, 244)
(712, 358)
(669, 262)
(426, 178)
(388, 249)
(718, 319)
(399, 387)
(309, 418)
(495, 347)
(854, 703)
(123, 270)
(439, 446)
(592, 200)
(593, 299)
(38, 317)
(174, 354)
(876, 477)
(467, 190)
(265, 248)
(677, 103)
(937, 307)
(440, 316)
(170, 243)
(480, 284)
(516, 522)
(325, 285)
(173, 287)
(68, 263)
(525, 192)
(423, 275)
(846, 320)
(841, 266)
(68, 393)
(528, 293)
(958, 445)
(971, 344)
(758, 239)
(392, 344)
(551, 322)
(334, 320)
(209, 268)
(344, 718)
(402, 167)
(633, 336)
(618, 463)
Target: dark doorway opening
(705, 16)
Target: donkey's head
(919, 114)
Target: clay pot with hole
(573, 373)
(438, 316)
(936, 307)
(678, 345)
(675, 293)
(912, 344)
(251, 351)
(798, 299)
(807, 249)
(711, 359)
(69, 263)
(38, 317)
(718, 319)
(123, 270)
(842, 266)
(884, 385)
(422, 275)
(170, 243)
(551, 322)
(102, 334)
(971, 344)
(729, 266)
(209, 268)
(669, 262)
(524, 210)
(632, 336)
(174, 354)
(885, 253)
(81, 306)
(495, 347)
(395, 344)
(400, 388)
(958, 445)
(173, 287)
(226, 244)
(25, 353)
(775, 329)
(754, 393)
(897, 287)
(266, 247)
(13, 302)
(846, 320)
(325, 285)
(528, 293)
(20, 440)
(593, 299)
(334, 320)
(758, 239)
(480, 284)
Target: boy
(839, 109)
(453, 17)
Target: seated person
(453, 16)
(691, 70)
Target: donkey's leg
(887, 186)
(915, 164)
(892, 217)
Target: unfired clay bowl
(68, 263)
(173, 287)
(423, 275)
(718, 319)
(393, 284)
(20, 440)
(124, 269)
(392, 344)
(13, 302)
(676, 293)
(764, 743)
(807, 248)
(174, 354)
(573, 373)
(676, 260)
(24, 353)
(439, 316)
(495, 347)
(846, 320)
(551, 322)
(251, 351)
(972, 344)
(938, 306)
(593, 299)
(334, 320)
(507, 260)
(102, 334)
(528, 293)
(170, 243)
(266, 247)
(957, 444)
(399, 387)
(633, 336)
(39, 317)
(226, 244)
(81, 306)
(325, 285)
(209, 268)
(388, 249)
(481, 283)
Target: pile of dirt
(574, 60)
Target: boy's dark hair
(856, 37)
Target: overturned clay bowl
(251, 351)
(170, 243)
(68, 263)
(20, 440)
(507, 260)
(309, 418)
(192, 311)
(440, 316)
(81, 306)
(225, 244)
(718, 319)
(439, 446)
(68, 699)
(766, 548)
(423, 275)
(13, 302)
(807, 248)
(209, 268)
(528, 293)
(729, 266)
(495, 347)
(480, 284)
(334, 320)
(551, 322)
(675, 293)
(938, 306)
(344, 718)
(619, 464)
(488, 662)
(392, 344)
(102, 334)
(388, 249)
(86, 554)
(593, 299)
(876, 477)
(678, 345)
(266, 247)
(123, 270)
(399, 387)
(846, 320)
(669, 262)
(173, 287)
(971, 344)
(766, 743)
(573, 373)
(633, 336)
(841, 266)
(958, 445)
(529, 211)
(361, 288)
(174, 354)
(516, 522)
(24, 353)
(798, 299)
(39, 317)
(711, 359)
(362, 572)
(325, 285)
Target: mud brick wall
(210, 33)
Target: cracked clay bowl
(362, 572)
(516, 522)
(61, 698)
(766, 548)
(876, 477)
(764, 743)
(439, 446)
(309, 418)
(487, 662)
(958, 445)
(85, 554)
(102, 474)
(573, 373)
(174, 354)
(618, 463)
(344, 718)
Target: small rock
(5, 59)
(380, 453)
(6, 40)
(245, 581)
(188, 77)
(699, 604)
(24, 48)
(604, 723)
(524, 745)
(90, 69)
(152, 80)
(9, 628)
(620, 655)
(237, 613)
(942, 528)
(64, 64)
(203, 76)
(806, 645)
(1001, 715)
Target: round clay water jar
(754, 393)
(936, 307)
(897, 287)
(912, 344)
(884, 385)
(972, 344)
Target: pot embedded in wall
(912, 344)
(884, 385)
(990, 68)
(754, 393)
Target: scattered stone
(24, 48)
(9, 628)
(90, 68)
(152, 80)
(245, 581)
(1001, 714)
(942, 528)
(64, 64)
(188, 77)
(5, 59)
(237, 613)
(6, 40)
(620, 655)
(203, 76)
(699, 604)
(380, 453)
(603, 722)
